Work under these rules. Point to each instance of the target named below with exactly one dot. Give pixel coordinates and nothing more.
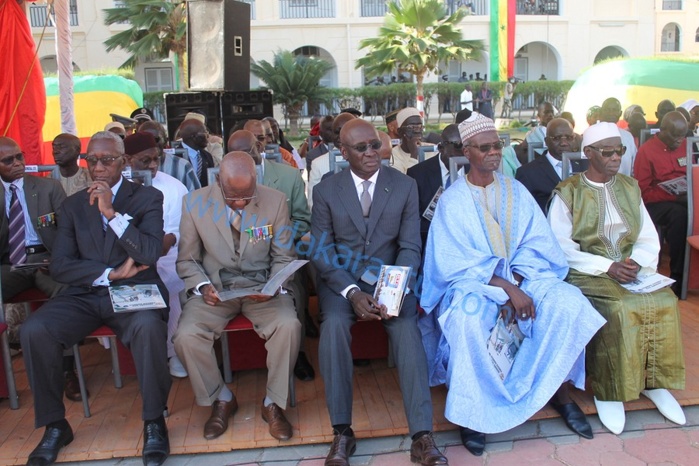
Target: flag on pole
(502, 39)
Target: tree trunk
(180, 71)
(420, 98)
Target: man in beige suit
(235, 231)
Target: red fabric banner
(17, 44)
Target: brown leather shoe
(279, 427)
(72, 387)
(424, 451)
(218, 421)
(341, 449)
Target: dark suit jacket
(43, 196)
(344, 246)
(428, 176)
(83, 250)
(539, 177)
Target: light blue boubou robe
(462, 308)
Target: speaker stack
(218, 50)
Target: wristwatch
(351, 292)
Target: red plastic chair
(692, 248)
(248, 352)
(106, 332)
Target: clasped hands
(625, 271)
(367, 308)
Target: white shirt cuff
(198, 287)
(103, 280)
(119, 224)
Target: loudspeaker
(251, 105)
(222, 109)
(218, 45)
(178, 105)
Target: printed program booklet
(136, 298)
(676, 186)
(391, 286)
(648, 283)
(503, 344)
(270, 288)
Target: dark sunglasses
(455, 144)
(363, 147)
(8, 161)
(488, 147)
(106, 161)
(609, 151)
(565, 137)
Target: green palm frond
(156, 28)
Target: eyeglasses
(455, 144)
(488, 147)
(414, 127)
(564, 137)
(363, 147)
(149, 160)
(609, 151)
(8, 161)
(236, 199)
(106, 161)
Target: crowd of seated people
(480, 239)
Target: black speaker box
(251, 105)
(218, 45)
(178, 105)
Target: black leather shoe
(574, 418)
(341, 449)
(303, 369)
(156, 443)
(472, 440)
(51, 443)
(361, 362)
(310, 326)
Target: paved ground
(647, 440)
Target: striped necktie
(18, 253)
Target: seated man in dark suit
(195, 138)
(543, 173)
(433, 174)
(370, 214)
(110, 234)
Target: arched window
(670, 40)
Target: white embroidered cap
(475, 124)
(405, 114)
(689, 105)
(599, 131)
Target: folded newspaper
(503, 344)
(648, 283)
(270, 288)
(136, 298)
(390, 287)
(676, 186)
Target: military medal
(257, 234)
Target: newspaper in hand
(676, 186)
(503, 344)
(136, 298)
(648, 283)
(391, 286)
(271, 287)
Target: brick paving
(648, 440)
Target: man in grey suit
(109, 234)
(38, 200)
(362, 218)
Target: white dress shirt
(556, 164)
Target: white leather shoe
(666, 404)
(611, 414)
(176, 368)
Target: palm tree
(156, 28)
(417, 35)
(293, 80)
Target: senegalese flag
(502, 39)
